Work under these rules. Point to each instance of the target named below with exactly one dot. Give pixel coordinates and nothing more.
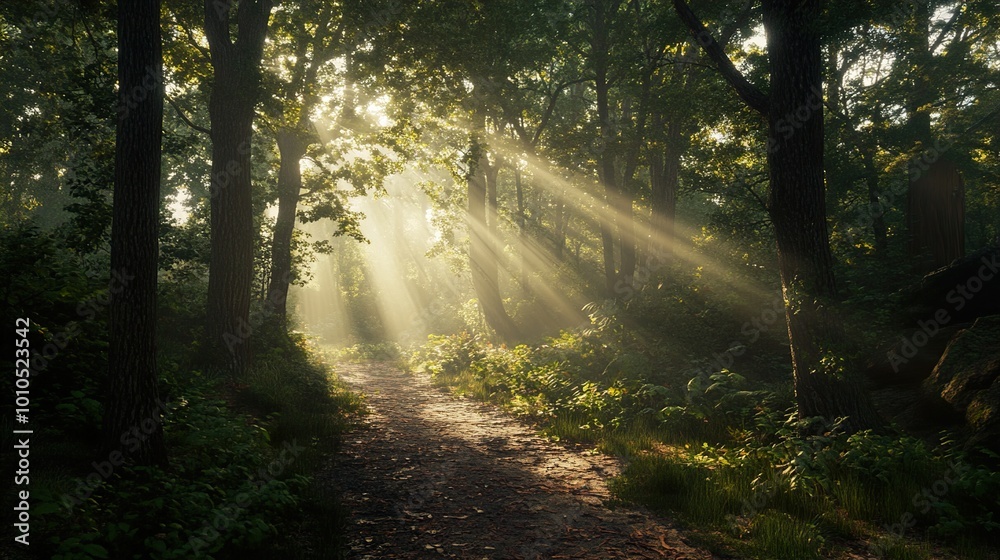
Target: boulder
(963, 291)
(912, 357)
(967, 380)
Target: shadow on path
(434, 476)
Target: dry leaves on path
(434, 476)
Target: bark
(935, 213)
(291, 148)
(798, 210)
(627, 240)
(664, 169)
(231, 110)
(835, 78)
(293, 142)
(559, 231)
(132, 402)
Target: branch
(751, 95)
(763, 204)
(184, 118)
(944, 30)
(178, 22)
(551, 107)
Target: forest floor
(431, 475)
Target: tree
(601, 17)
(796, 198)
(294, 136)
(481, 184)
(935, 208)
(673, 122)
(235, 85)
(132, 399)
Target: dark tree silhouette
(483, 256)
(132, 423)
(935, 215)
(235, 85)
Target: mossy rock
(967, 378)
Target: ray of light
(577, 194)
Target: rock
(912, 358)
(967, 379)
(965, 290)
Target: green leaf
(95, 550)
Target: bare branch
(184, 117)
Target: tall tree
(672, 125)
(132, 399)
(235, 85)
(796, 198)
(295, 134)
(481, 185)
(936, 197)
(601, 18)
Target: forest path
(430, 475)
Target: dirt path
(434, 476)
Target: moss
(971, 363)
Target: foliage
(246, 474)
(360, 353)
(221, 467)
(723, 456)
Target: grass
(895, 548)
(779, 535)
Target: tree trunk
(483, 261)
(522, 234)
(664, 169)
(291, 148)
(935, 201)
(482, 258)
(605, 155)
(935, 211)
(796, 200)
(798, 210)
(559, 230)
(231, 110)
(132, 424)
(627, 240)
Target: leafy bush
(379, 352)
(224, 488)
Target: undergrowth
(731, 461)
(241, 453)
(238, 482)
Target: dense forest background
(750, 247)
